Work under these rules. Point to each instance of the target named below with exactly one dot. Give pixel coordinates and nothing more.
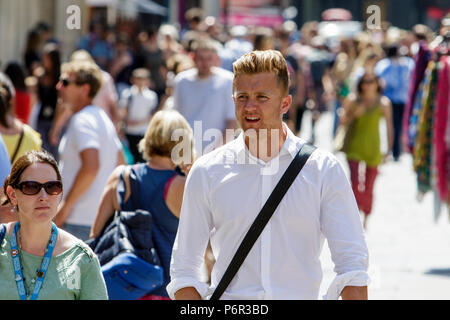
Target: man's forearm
(83, 181)
(354, 293)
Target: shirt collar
(292, 144)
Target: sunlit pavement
(409, 243)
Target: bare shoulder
(175, 195)
(349, 100)
(385, 102)
(351, 97)
(178, 183)
(116, 173)
(176, 188)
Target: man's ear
(285, 104)
(86, 89)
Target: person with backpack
(158, 186)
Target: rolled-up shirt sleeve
(341, 225)
(192, 236)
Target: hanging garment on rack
(439, 129)
(447, 138)
(421, 60)
(423, 144)
(413, 125)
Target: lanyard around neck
(44, 265)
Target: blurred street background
(408, 239)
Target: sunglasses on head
(31, 188)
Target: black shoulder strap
(263, 217)
(132, 203)
(18, 146)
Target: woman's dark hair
(52, 51)
(19, 166)
(362, 79)
(6, 95)
(17, 75)
(33, 41)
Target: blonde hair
(81, 55)
(85, 71)
(160, 138)
(263, 61)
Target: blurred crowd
(324, 70)
(139, 72)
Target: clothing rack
(427, 121)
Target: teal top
(72, 275)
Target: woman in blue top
(161, 184)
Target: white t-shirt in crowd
(141, 105)
(88, 128)
(207, 100)
(107, 95)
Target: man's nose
(250, 104)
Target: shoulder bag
(129, 261)
(263, 217)
(16, 151)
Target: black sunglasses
(65, 82)
(31, 188)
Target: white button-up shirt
(226, 189)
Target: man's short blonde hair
(160, 139)
(86, 72)
(263, 61)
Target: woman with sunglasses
(362, 112)
(37, 259)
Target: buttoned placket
(268, 173)
(265, 235)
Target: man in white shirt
(203, 96)
(106, 98)
(89, 150)
(227, 187)
(137, 105)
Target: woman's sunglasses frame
(38, 186)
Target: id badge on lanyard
(44, 265)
